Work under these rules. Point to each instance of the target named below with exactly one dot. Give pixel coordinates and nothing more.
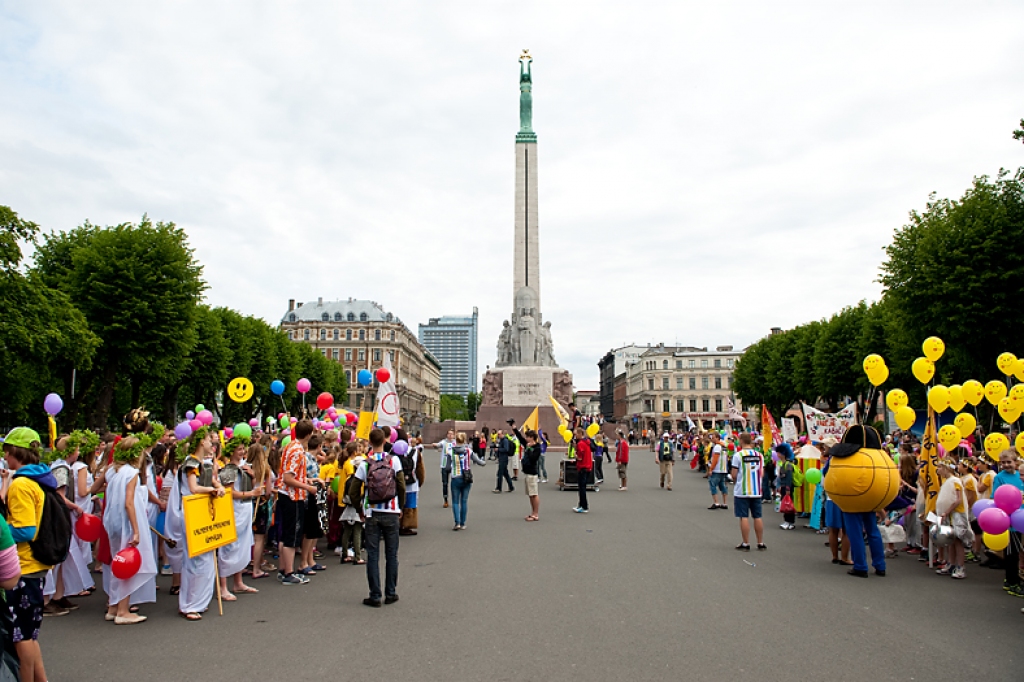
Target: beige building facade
(358, 334)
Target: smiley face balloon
(995, 391)
(873, 362)
(240, 389)
(933, 348)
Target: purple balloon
(1017, 520)
(980, 506)
(1007, 498)
(190, 415)
(182, 430)
(994, 521)
(400, 448)
(53, 404)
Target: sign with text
(209, 522)
(789, 433)
(821, 425)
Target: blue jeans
(717, 484)
(541, 469)
(855, 525)
(382, 526)
(460, 498)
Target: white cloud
(706, 171)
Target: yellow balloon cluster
(965, 423)
(876, 369)
(995, 443)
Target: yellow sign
(364, 425)
(209, 522)
(240, 389)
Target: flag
(734, 413)
(563, 414)
(533, 421)
(387, 399)
(769, 431)
(689, 423)
(930, 457)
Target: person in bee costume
(861, 479)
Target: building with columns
(357, 334)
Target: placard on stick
(209, 522)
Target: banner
(930, 457)
(387, 399)
(769, 431)
(533, 421)
(734, 413)
(821, 425)
(364, 425)
(209, 522)
(789, 432)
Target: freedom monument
(525, 372)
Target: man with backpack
(383, 494)
(41, 525)
(666, 460)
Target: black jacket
(531, 455)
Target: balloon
(905, 417)
(1007, 363)
(182, 430)
(254, 422)
(316, 422)
(334, 484)
(923, 369)
(383, 374)
(973, 392)
(350, 419)
(1017, 520)
(243, 430)
(200, 407)
(566, 436)
(400, 447)
(878, 376)
(995, 391)
(995, 443)
(283, 421)
(938, 398)
(994, 521)
(1009, 410)
(561, 428)
(813, 476)
(1017, 393)
(949, 436)
(996, 542)
(956, 397)
(324, 400)
(331, 412)
(965, 423)
(126, 563)
(1008, 499)
(285, 441)
(933, 348)
(593, 430)
(896, 399)
(1018, 443)
(872, 363)
(303, 385)
(53, 404)
(229, 432)
(271, 420)
(393, 437)
(88, 527)
(277, 387)
(196, 425)
(980, 506)
(205, 416)
(1018, 370)
(190, 415)
(239, 389)
(364, 377)
(328, 426)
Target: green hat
(22, 437)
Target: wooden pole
(216, 584)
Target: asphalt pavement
(647, 586)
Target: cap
(829, 442)
(665, 435)
(22, 437)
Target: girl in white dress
(232, 559)
(78, 580)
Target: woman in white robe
(78, 580)
(232, 559)
(198, 476)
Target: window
(718, 405)
(305, 334)
(664, 405)
(325, 317)
(680, 406)
(362, 355)
(376, 354)
(348, 373)
(334, 353)
(704, 382)
(718, 382)
(323, 352)
(323, 334)
(650, 384)
(728, 382)
(703, 364)
(648, 405)
(679, 383)
(337, 317)
(336, 335)
(348, 334)
(391, 355)
(718, 363)
(392, 332)
(664, 364)
(376, 335)
(290, 337)
(706, 404)
(351, 317)
(348, 354)
(362, 317)
(664, 383)
(693, 406)
(679, 364)
(693, 383)
(291, 317)
(728, 363)
(362, 334)
(693, 363)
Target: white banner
(387, 398)
(789, 433)
(821, 425)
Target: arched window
(348, 334)
(325, 317)
(376, 335)
(351, 317)
(291, 317)
(337, 317)
(363, 317)
(390, 317)
(664, 364)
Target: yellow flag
(930, 457)
(533, 421)
(364, 425)
(563, 416)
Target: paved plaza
(645, 587)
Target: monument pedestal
(513, 393)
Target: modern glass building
(453, 341)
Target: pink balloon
(351, 436)
(328, 426)
(394, 436)
(206, 417)
(293, 420)
(994, 521)
(279, 415)
(303, 385)
(228, 432)
(1007, 498)
(254, 422)
(195, 424)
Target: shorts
(25, 603)
(747, 506)
(292, 514)
(262, 518)
(717, 484)
(531, 485)
(311, 527)
(621, 466)
(833, 515)
(412, 500)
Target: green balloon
(285, 441)
(243, 430)
(271, 420)
(813, 476)
(334, 484)
(285, 422)
(200, 407)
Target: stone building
(611, 366)
(357, 334)
(670, 383)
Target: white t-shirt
(750, 464)
(391, 506)
(723, 461)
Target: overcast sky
(707, 170)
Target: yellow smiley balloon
(938, 398)
(995, 443)
(896, 399)
(240, 389)
(965, 423)
(933, 348)
(872, 362)
(995, 391)
(1018, 370)
(973, 392)
(949, 437)
(1009, 410)
(1007, 363)
(956, 397)
(923, 369)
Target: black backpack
(408, 468)
(53, 539)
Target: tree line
(113, 317)
(955, 271)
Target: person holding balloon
(951, 505)
(134, 563)
(1009, 477)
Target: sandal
(360, 562)
(228, 597)
(245, 589)
(192, 615)
(743, 547)
(133, 609)
(175, 590)
(260, 576)
(531, 517)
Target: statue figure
(504, 346)
(493, 388)
(527, 340)
(525, 96)
(546, 347)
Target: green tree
(453, 406)
(473, 401)
(1019, 133)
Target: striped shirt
(748, 479)
(722, 467)
(389, 507)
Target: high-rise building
(453, 341)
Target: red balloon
(324, 400)
(350, 418)
(383, 374)
(88, 527)
(126, 563)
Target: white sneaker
(578, 510)
(165, 569)
(351, 552)
(339, 551)
(784, 526)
